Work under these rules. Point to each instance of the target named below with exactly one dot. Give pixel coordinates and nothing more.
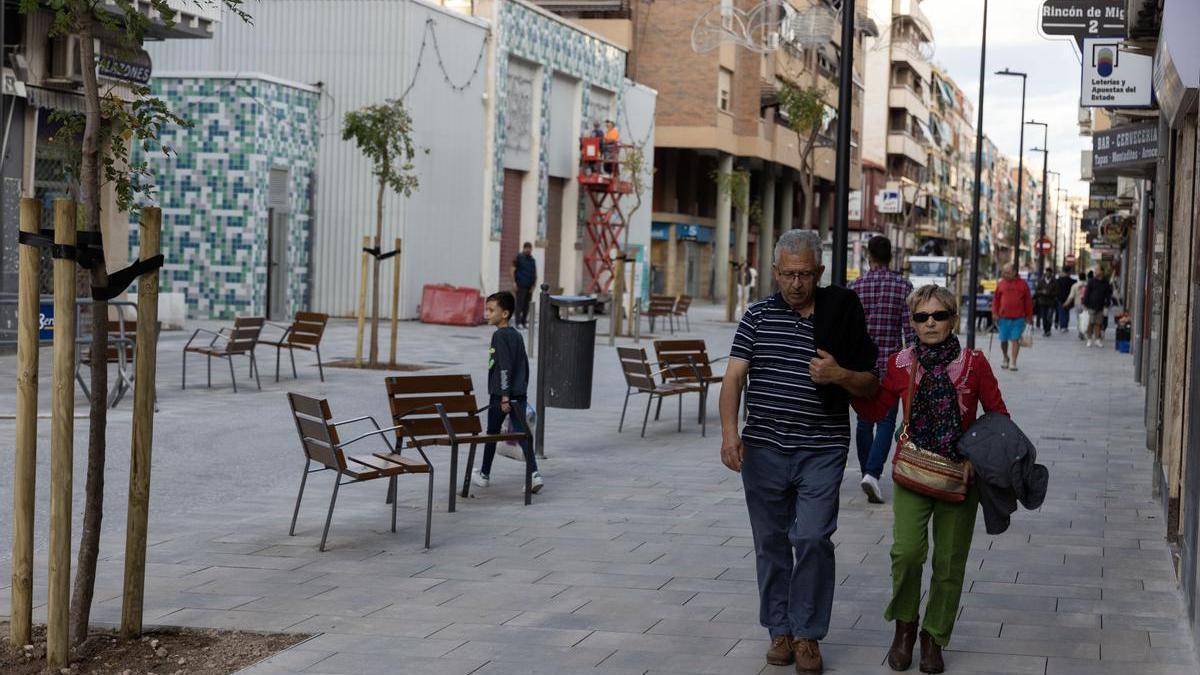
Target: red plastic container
(451, 305)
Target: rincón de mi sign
(1082, 19)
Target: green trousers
(953, 528)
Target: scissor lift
(600, 176)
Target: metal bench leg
(329, 518)
(658, 410)
(277, 350)
(646, 418)
(429, 508)
(680, 426)
(296, 511)
(232, 376)
(183, 382)
(208, 361)
(254, 367)
(320, 367)
(292, 356)
(623, 407)
(392, 492)
(466, 489)
(453, 475)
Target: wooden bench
(661, 306)
(688, 362)
(639, 378)
(304, 333)
(413, 399)
(682, 304)
(237, 341)
(323, 445)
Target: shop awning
(55, 99)
(924, 127)
(1177, 61)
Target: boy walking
(508, 383)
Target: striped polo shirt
(783, 409)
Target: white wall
(365, 52)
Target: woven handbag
(926, 472)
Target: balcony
(900, 143)
(580, 6)
(909, 100)
(907, 51)
(912, 9)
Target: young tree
(384, 134)
(805, 111)
(103, 132)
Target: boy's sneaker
(479, 479)
(537, 482)
(871, 487)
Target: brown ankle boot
(808, 658)
(900, 655)
(931, 655)
(781, 652)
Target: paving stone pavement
(636, 558)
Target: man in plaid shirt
(884, 295)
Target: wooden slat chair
(304, 333)
(661, 306)
(687, 361)
(122, 334)
(237, 341)
(639, 378)
(682, 304)
(323, 445)
(412, 399)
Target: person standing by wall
(1013, 307)
(884, 296)
(525, 278)
(799, 354)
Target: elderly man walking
(1012, 305)
(884, 295)
(799, 355)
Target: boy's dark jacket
(508, 364)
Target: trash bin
(567, 349)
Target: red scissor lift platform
(600, 176)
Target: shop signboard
(46, 321)
(854, 205)
(1082, 19)
(1129, 149)
(888, 201)
(1103, 195)
(1115, 78)
(117, 63)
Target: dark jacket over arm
(840, 328)
(1006, 469)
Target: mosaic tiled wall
(527, 34)
(214, 191)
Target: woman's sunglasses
(940, 315)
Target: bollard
(531, 327)
(395, 302)
(25, 459)
(145, 352)
(62, 441)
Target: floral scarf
(935, 422)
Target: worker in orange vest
(612, 139)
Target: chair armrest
(286, 328)
(441, 411)
(371, 419)
(376, 432)
(216, 335)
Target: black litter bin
(566, 351)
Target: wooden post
(362, 301)
(617, 312)
(629, 308)
(395, 301)
(62, 441)
(731, 292)
(25, 460)
(145, 350)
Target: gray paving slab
(636, 557)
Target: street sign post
(1082, 19)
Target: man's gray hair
(796, 241)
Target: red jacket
(970, 372)
(1012, 300)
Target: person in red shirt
(1012, 306)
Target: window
(724, 86)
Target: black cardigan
(840, 328)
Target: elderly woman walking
(949, 384)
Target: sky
(1052, 93)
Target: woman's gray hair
(933, 292)
(795, 241)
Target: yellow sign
(988, 285)
(852, 274)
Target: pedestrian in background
(525, 278)
(884, 296)
(1097, 299)
(799, 354)
(1012, 306)
(1062, 293)
(1044, 298)
(1078, 291)
(949, 385)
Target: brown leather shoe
(808, 658)
(781, 652)
(931, 655)
(900, 655)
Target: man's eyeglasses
(793, 277)
(940, 315)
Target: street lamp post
(841, 205)
(1020, 166)
(973, 279)
(1045, 150)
